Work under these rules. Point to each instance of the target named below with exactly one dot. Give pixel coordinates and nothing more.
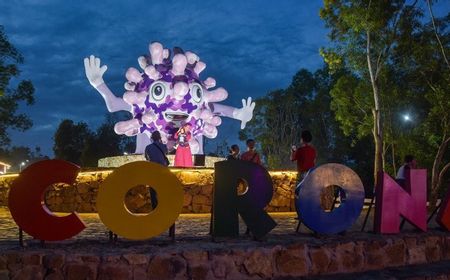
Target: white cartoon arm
(244, 114)
(94, 73)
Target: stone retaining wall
(289, 257)
(197, 184)
(117, 161)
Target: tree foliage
(103, 143)
(70, 140)
(12, 96)
(77, 143)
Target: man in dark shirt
(234, 152)
(156, 152)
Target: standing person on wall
(183, 156)
(251, 154)
(234, 153)
(156, 152)
(305, 155)
(409, 163)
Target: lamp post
(22, 164)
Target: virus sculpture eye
(197, 93)
(158, 91)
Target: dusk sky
(250, 48)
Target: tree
(10, 98)
(364, 33)
(70, 140)
(422, 58)
(104, 143)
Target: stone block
(395, 253)
(140, 273)
(28, 272)
(195, 257)
(4, 274)
(3, 263)
(54, 261)
(200, 272)
(207, 190)
(167, 267)
(56, 275)
(320, 260)
(349, 257)
(375, 255)
(187, 199)
(416, 255)
(292, 261)
(78, 271)
(136, 259)
(111, 271)
(259, 262)
(222, 265)
(433, 248)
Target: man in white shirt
(410, 163)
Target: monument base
(285, 256)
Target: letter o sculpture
(111, 195)
(341, 218)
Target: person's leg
(153, 198)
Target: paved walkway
(188, 226)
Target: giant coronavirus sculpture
(166, 94)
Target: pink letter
(392, 201)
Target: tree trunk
(437, 174)
(377, 122)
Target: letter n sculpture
(393, 201)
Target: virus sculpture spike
(166, 94)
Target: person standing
(234, 152)
(156, 152)
(305, 155)
(409, 163)
(183, 156)
(251, 154)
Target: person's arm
(258, 159)
(293, 154)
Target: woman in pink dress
(183, 156)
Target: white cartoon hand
(94, 72)
(245, 114)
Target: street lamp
(22, 164)
(407, 118)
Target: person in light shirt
(409, 163)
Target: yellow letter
(111, 195)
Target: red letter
(392, 201)
(443, 216)
(26, 201)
